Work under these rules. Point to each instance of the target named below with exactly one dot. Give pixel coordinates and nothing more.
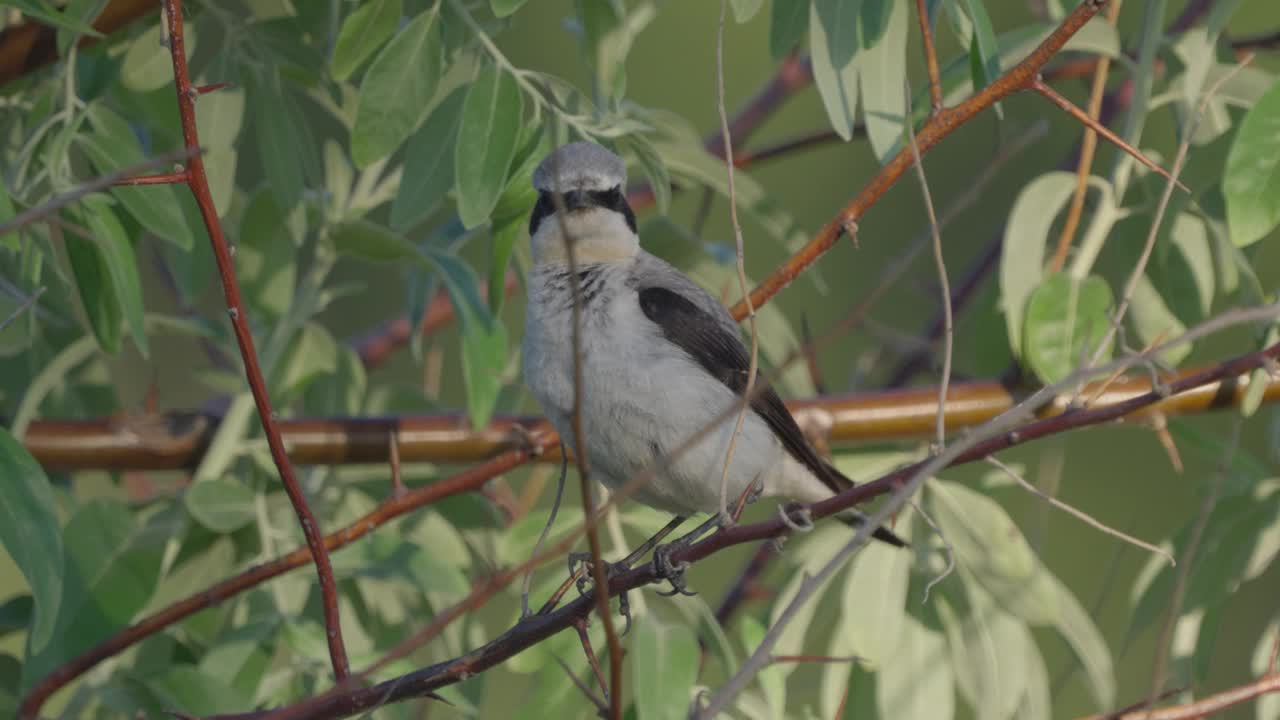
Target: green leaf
(1153, 320)
(363, 32)
(503, 8)
(185, 689)
(220, 117)
(370, 241)
(112, 565)
(655, 169)
(1252, 180)
(94, 286)
(664, 667)
(837, 81)
(504, 239)
(771, 678)
(984, 49)
(882, 71)
(116, 253)
(484, 356)
(875, 598)
(744, 10)
(222, 505)
(29, 532)
(1022, 259)
(148, 65)
(6, 214)
(986, 650)
(113, 146)
(1077, 628)
(788, 21)
(1066, 320)
(428, 164)
(44, 12)
(395, 90)
(312, 354)
(277, 124)
(461, 284)
(16, 612)
(989, 545)
(839, 22)
(917, 684)
(491, 121)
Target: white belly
(643, 399)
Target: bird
(661, 359)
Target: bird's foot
(672, 572)
(583, 560)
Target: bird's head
(591, 207)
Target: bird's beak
(576, 200)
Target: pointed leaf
(788, 21)
(882, 71)
(222, 505)
(875, 597)
(744, 10)
(395, 90)
(837, 81)
(30, 534)
(664, 667)
(118, 258)
(148, 64)
(917, 684)
(1252, 180)
(484, 356)
(491, 120)
(1025, 238)
(361, 34)
(113, 146)
(428, 164)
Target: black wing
(719, 350)
(722, 354)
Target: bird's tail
(855, 519)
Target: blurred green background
(1120, 474)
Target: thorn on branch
(179, 176)
(1038, 84)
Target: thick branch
(178, 440)
(534, 629)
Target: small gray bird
(661, 357)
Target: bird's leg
(672, 572)
(580, 574)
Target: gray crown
(579, 166)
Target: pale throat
(599, 236)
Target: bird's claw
(672, 572)
(610, 570)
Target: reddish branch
(942, 123)
(1205, 707)
(536, 628)
(469, 481)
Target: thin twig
(1088, 144)
(599, 573)
(198, 183)
(1021, 76)
(546, 530)
(1136, 275)
(602, 706)
(741, 266)
(30, 301)
(54, 204)
(946, 544)
(581, 626)
(347, 700)
(939, 263)
(930, 62)
(1080, 514)
(1040, 86)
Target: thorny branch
(538, 627)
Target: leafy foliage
(370, 155)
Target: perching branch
(536, 628)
